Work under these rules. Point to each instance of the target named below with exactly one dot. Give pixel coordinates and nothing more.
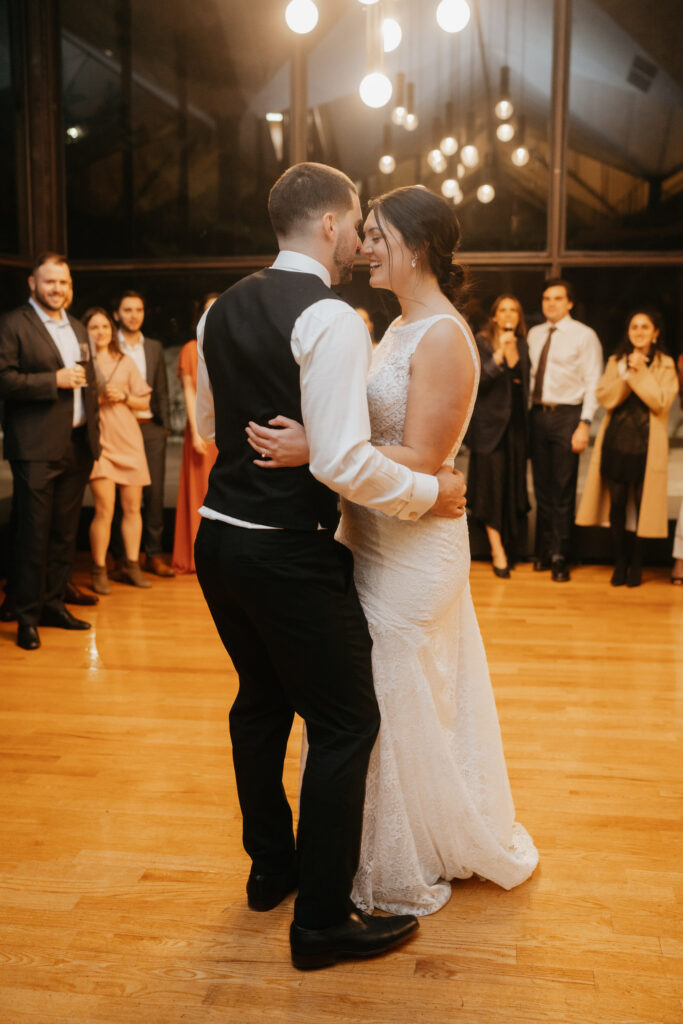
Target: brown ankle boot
(98, 579)
(131, 574)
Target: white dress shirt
(574, 364)
(332, 347)
(64, 337)
(137, 354)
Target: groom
(279, 587)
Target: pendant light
(387, 161)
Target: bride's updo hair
(430, 229)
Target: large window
(9, 110)
(625, 158)
(452, 84)
(168, 150)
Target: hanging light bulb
(387, 163)
(453, 15)
(520, 155)
(486, 193)
(469, 155)
(375, 88)
(391, 34)
(301, 16)
(458, 197)
(449, 188)
(368, 3)
(505, 131)
(460, 171)
(411, 120)
(449, 143)
(503, 108)
(436, 160)
(398, 114)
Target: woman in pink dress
(198, 459)
(122, 462)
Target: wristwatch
(587, 422)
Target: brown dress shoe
(158, 566)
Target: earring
(413, 262)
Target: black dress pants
(555, 469)
(47, 501)
(286, 608)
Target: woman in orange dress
(122, 463)
(198, 458)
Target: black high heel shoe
(502, 574)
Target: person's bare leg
(498, 556)
(131, 523)
(104, 494)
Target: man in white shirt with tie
(566, 365)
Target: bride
(438, 804)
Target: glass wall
(452, 83)
(625, 158)
(168, 150)
(10, 111)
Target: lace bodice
(390, 377)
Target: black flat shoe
(62, 620)
(502, 574)
(560, 570)
(266, 891)
(27, 637)
(359, 937)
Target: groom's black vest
(254, 376)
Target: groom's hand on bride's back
(451, 500)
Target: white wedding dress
(438, 803)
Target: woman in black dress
(497, 437)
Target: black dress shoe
(74, 595)
(542, 564)
(502, 574)
(560, 570)
(360, 936)
(7, 612)
(27, 637)
(62, 620)
(265, 891)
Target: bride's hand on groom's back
(451, 500)
(283, 443)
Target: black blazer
(38, 416)
(159, 404)
(493, 407)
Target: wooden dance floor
(121, 869)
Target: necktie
(537, 395)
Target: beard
(343, 265)
(57, 300)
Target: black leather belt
(546, 407)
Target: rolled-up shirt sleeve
(332, 347)
(204, 410)
(592, 373)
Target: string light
(486, 193)
(453, 15)
(505, 131)
(301, 16)
(411, 120)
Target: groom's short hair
(306, 191)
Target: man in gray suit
(51, 429)
(155, 423)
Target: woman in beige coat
(631, 450)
